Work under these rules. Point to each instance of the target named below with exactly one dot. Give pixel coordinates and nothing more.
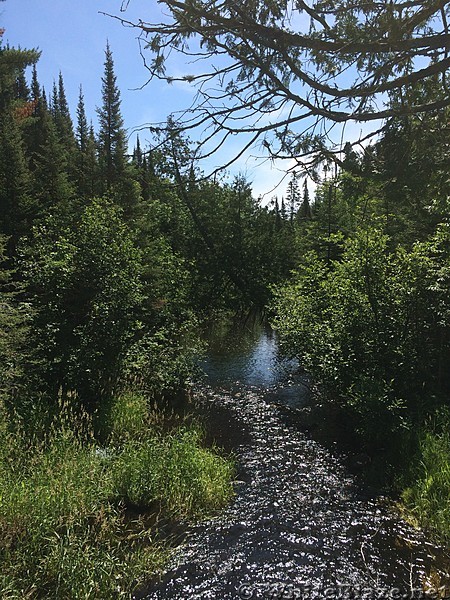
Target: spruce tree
(64, 127)
(277, 215)
(47, 161)
(293, 195)
(53, 104)
(22, 89)
(283, 213)
(64, 121)
(81, 135)
(46, 102)
(15, 111)
(82, 124)
(117, 177)
(111, 137)
(14, 182)
(35, 87)
(143, 172)
(305, 212)
(86, 156)
(137, 154)
(92, 169)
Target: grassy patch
(428, 498)
(173, 471)
(64, 532)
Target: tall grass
(428, 498)
(64, 530)
(174, 472)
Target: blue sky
(72, 38)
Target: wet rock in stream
(298, 526)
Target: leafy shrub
(372, 328)
(86, 287)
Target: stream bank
(300, 525)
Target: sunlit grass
(173, 471)
(64, 529)
(428, 497)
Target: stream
(300, 524)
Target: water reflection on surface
(247, 356)
(299, 525)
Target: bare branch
(280, 71)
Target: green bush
(86, 288)
(372, 329)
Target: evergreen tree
(137, 154)
(283, 213)
(117, 177)
(22, 89)
(14, 181)
(64, 128)
(35, 87)
(293, 195)
(144, 169)
(91, 164)
(47, 162)
(86, 169)
(305, 212)
(54, 103)
(111, 137)
(15, 110)
(64, 121)
(82, 130)
(277, 224)
(46, 102)
(12, 65)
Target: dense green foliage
(367, 309)
(116, 258)
(85, 280)
(110, 262)
(370, 327)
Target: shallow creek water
(299, 526)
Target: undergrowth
(428, 496)
(65, 531)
